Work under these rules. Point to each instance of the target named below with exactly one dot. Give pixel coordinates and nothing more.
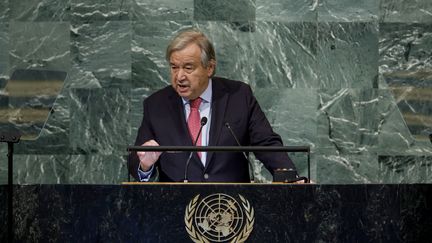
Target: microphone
(203, 122)
(244, 153)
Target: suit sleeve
(145, 133)
(262, 134)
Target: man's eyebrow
(184, 64)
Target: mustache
(182, 83)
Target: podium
(158, 212)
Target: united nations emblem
(219, 218)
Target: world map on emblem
(219, 217)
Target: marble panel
(286, 55)
(333, 167)
(348, 55)
(4, 54)
(395, 136)
(70, 169)
(224, 10)
(39, 45)
(348, 11)
(99, 120)
(347, 119)
(37, 10)
(100, 10)
(234, 44)
(367, 109)
(405, 169)
(101, 53)
(41, 169)
(405, 52)
(406, 11)
(4, 11)
(149, 41)
(292, 114)
(286, 10)
(156, 10)
(97, 168)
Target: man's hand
(147, 159)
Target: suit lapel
(219, 103)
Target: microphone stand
(251, 168)
(10, 139)
(203, 122)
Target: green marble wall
(352, 79)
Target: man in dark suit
(172, 116)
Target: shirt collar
(206, 96)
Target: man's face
(188, 76)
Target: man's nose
(181, 74)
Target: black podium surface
(276, 213)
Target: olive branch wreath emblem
(198, 238)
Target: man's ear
(211, 68)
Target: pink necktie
(194, 121)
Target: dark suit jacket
(233, 102)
